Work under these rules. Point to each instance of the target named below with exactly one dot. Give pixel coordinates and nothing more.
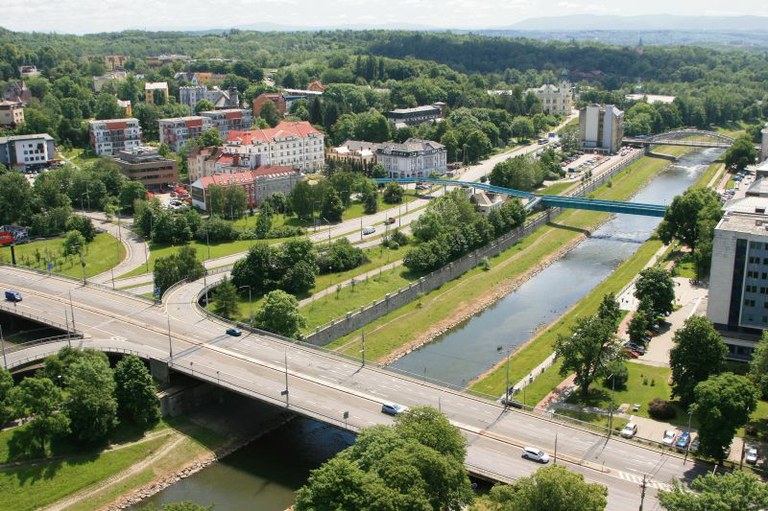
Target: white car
(751, 456)
(393, 409)
(369, 230)
(535, 454)
(669, 437)
(629, 430)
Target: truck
(12, 296)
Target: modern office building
(110, 136)
(601, 128)
(145, 165)
(412, 158)
(22, 152)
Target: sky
(89, 16)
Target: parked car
(234, 332)
(369, 230)
(629, 430)
(535, 454)
(683, 440)
(636, 347)
(393, 409)
(751, 456)
(669, 437)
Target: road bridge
(177, 335)
(559, 201)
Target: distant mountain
(655, 22)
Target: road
(323, 385)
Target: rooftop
(15, 138)
(301, 129)
(245, 177)
(424, 108)
(155, 86)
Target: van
(13, 296)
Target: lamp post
(170, 343)
(82, 263)
(285, 392)
(506, 391)
(72, 312)
(250, 303)
(691, 409)
(610, 416)
(363, 342)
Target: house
(190, 95)
(229, 119)
(177, 131)
(485, 202)
(258, 184)
(316, 86)
(601, 128)
(274, 97)
(112, 76)
(109, 136)
(115, 62)
(11, 114)
(402, 117)
(145, 165)
(126, 106)
(294, 144)
(355, 151)
(412, 158)
(27, 71)
(17, 91)
(25, 152)
(554, 99)
(154, 90)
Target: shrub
(398, 237)
(660, 409)
(285, 231)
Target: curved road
(323, 385)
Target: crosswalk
(637, 478)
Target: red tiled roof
(245, 177)
(300, 129)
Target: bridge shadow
(571, 228)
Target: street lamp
(285, 392)
(250, 303)
(691, 409)
(610, 416)
(170, 343)
(506, 391)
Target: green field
(103, 253)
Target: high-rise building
(601, 128)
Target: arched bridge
(554, 201)
(678, 138)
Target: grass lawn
(707, 176)
(103, 253)
(557, 188)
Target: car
(669, 437)
(632, 353)
(535, 454)
(393, 409)
(694, 445)
(751, 456)
(629, 430)
(235, 332)
(12, 295)
(683, 440)
(369, 230)
(636, 347)
(390, 220)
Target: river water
(479, 343)
(265, 474)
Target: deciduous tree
(731, 491)
(91, 404)
(280, 314)
(136, 392)
(698, 353)
(656, 287)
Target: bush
(398, 237)
(660, 409)
(285, 231)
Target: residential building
(258, 184)
(485, 202)
(191, 95)
(401, 117)
(198, 78)
(27, 71)
(275, 98)
(144, 164)
(554, 99)
(115, 62)
(11, 114)
(154, 90)
(764, 144)
(126, 106)
(177, 131)
(23, 152)
(110, 136)
(294, 144)
(229, 119)
(112, 76)
(355, 151)
(201, 162)
(761, 171)
(651, 98)
(601, 128)
(291, 95)
(412, 158)
(738, 282)
(17, 91)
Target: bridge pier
(160, 371)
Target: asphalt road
(324, 386)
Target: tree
(209, 138)
(280, 314)
(731, 491)
(136, 392)
(522, 172)
(263, 222)
(91, 405)
(302, 200)
(741, 153)
(698, 353)
(641, 321)
(681, 221)
(270, 113)
(332, 207)
(203, 105)
(176, 267)
(656, 287)
(432, 429)
(758, 366)
(225, 299)
(258, 269)
(552, 488)
(609, 310)
(522, 128)
(722, 405)
(370, 201)
(74, 243)
(6, 392)
(39, 398)
(83, 225)
(129, 194)
(588, 350)
(393, 193)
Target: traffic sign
(6, 238)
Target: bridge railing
(12, 309)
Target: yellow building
(151, 87)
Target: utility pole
(642, 493)
(506, 387)
(363, 350)
(170, 343)
(72, 312)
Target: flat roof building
(27, 151)
(145, 165)
(601, 128)
(109, 136)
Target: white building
(554, 99)
(764, 144)
(22, 151)
(601, 128)
(221, 99)
(230, 119)
(412, 158)
(292, 144)
(110, 136)
(177, 131)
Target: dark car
(234, 332)
(683, 440)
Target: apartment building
(412, 158)
(145, 165)
(25, 152)
(177, 131)
(601, 128)
(11, 114)
(294, 144)
(764, 144)
(229, 119)
(191, 95)
(108, 137)
(153, 91)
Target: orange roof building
(294, 144)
